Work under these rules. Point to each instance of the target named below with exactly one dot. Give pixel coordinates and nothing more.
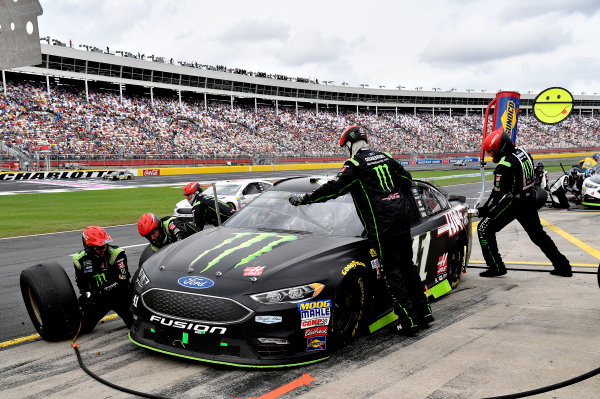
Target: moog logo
(196, 282)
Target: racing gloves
(296, 199)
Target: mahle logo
(251, 238)
(383, 173)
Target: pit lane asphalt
(490, 337)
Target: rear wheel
(456, 266)
(348, 310)
(50, 301)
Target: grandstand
(83, 106)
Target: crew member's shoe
(562, 272)
(406, 330)
(493, 272)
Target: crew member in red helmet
(513, 197)
(102, 276)
(203, 206)
(164, 231)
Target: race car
(590, 189)
(279, 285)
(119, 175)
(235, 193)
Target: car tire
(348, 310)
(50, 301)
(456, 263)
(232, 205)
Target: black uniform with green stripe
(513, 197)
(203, 210)
(106, 280)
(379, 187)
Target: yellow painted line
(570, 213)
(36, 336)
(587, 248)
(538, 263)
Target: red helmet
(497, 144)
(95, 236)
(191, 188)
(147, 223)
(353, 134)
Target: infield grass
(50, 212)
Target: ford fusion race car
(235, 193)
(590, 190)
(281, 285)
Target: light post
(469, 90)
(327, 82)
(382, 86)
(363, 85)
(418, 87)
(435, 88)
(344, 83)
(400, 87)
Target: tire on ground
(348, 310)
(50, 301)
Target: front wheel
(348, 310)
(50, 301)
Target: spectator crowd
(65, 123)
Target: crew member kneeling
(102, 277)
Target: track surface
(490, 337)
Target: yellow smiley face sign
(553, 105)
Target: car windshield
(272, 211)
(223, 189)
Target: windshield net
(272, 211)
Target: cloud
(311, 47)
(475, 42)
(255, 31)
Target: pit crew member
(513, 197)
(164, 231)
(102, 276)
(203, 207)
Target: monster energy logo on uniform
(99, 277)
(258, 237)
(383, 173)
(527, 165)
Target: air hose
(103, 381)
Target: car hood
(244, 254)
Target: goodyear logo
(373, 252)
(315, 305)
(352, 265)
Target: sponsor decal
(320, 331)
(254, 271)
(195, 282)
(316, 344)
(151, 172)
(454, 223)
(391, 197)
(377, 266)
(268, 319)
(54, 175)
(184, 325)
(315, 313)
(373, 252)
(352, 265)
(442, 264)
(322, 321)
(135, 300)
(315, 304)
(250, 239)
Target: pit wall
(79, 174)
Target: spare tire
(50, 301)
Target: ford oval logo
(196, 282)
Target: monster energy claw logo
(383, 173)
(258, 237)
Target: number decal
(420, 248)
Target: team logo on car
(268, 319)
(316, 344)
(254, 271)
(442, 264)
(195, 282)
(317, 331)
(454, 223)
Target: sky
(521, 45)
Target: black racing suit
(541, 176)
(203, 210)
(379, 187)
(574, 186)
(512, 198)
(104, 286)
(176, 229)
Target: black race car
(279, 285)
